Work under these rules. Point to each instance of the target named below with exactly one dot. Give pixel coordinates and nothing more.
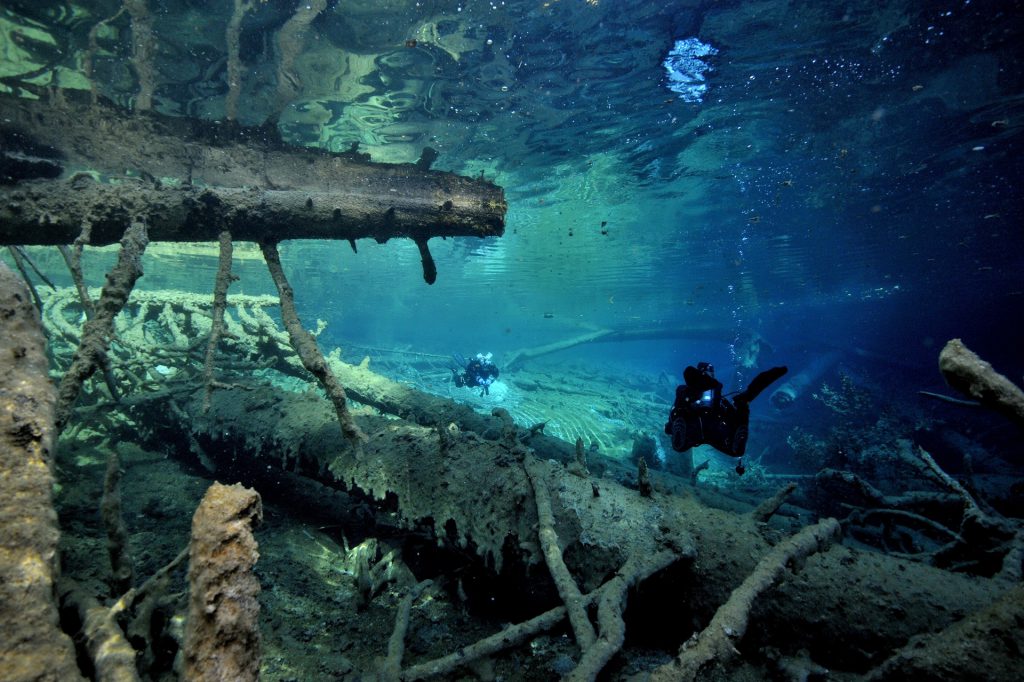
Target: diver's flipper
(761, 382)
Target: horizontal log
(191, 179)
(850, 609)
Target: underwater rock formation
(32, 647)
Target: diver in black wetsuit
(702, 415)
(479, 371)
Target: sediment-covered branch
(767, 509)
(99, 329)
(222, 637)
(117, 534)
(975, 378)
(567, 588)
(32, 647)
(717, 642)
(391, 668)
(220, 302)
(109, 651)
(632, 573)
(306, 348)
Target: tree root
(117, 533)
(611, 603)
(564, 582)
(716, 643)
(220, 302)
(306, 348)
(19, 263)
(98, 330)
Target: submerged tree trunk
(849, 609)
(190, 179)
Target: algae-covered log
(849, 609)
(190, 179)
(32, 647)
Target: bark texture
(972, 376)
(188, 180)
(32, 647)
(849, 609)
(222, 637)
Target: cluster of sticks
(222, 551)
(715, 645)
(975, 537)
(105, 640)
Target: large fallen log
(849, 609)
(751, 343)
(190, 179)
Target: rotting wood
(486, 497)
(99, 329)
(190, 179)
(972, 376)
(32, 646)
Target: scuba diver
(479, 371)
(702, 415)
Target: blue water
(837, 178)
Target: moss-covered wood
(32, 646)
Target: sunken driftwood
(188, 180)
(222, 638)
(32, 646)
(476, 494)
(972, 376)
(99, 329)
(519, 358)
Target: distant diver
(701, 415)
(478, 372)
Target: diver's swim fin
(761, 382)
